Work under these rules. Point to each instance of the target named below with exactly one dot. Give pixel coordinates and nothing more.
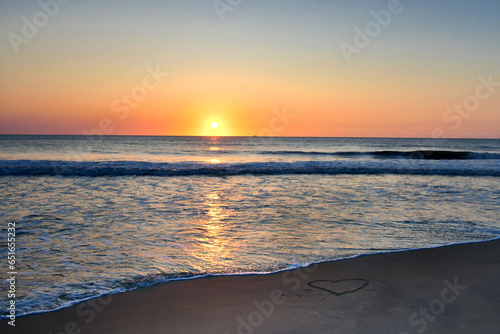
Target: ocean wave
(419, 154)
(139, 168)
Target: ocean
(102, 215)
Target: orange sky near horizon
(76, 78)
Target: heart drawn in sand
(340, 287)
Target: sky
(256, 67)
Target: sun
(214, 125)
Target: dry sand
(452, 289)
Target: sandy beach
(451, 289)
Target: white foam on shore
(298, 266)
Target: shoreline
(203, 276)
(391, 285)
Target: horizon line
(254, 136)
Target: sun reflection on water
(214, 246)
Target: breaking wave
(139, 168)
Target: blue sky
(432, 52)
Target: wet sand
(453, 289)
